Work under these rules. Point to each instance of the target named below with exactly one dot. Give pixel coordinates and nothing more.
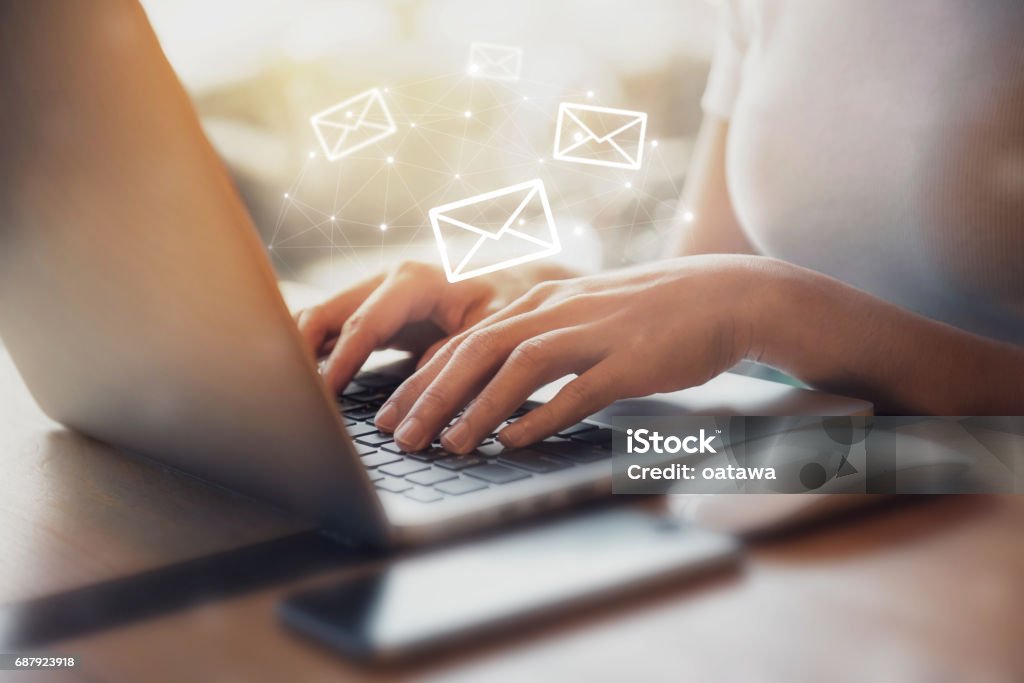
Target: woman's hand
(634, 332)
(411, 308)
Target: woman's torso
(883, 143)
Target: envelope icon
(353, 124)
(600, 136)
(497, 62)
(495, 230)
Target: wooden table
(925, 590)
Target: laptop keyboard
(434, 474)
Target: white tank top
(882, 143)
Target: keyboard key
(551, 442)
(430, 455)
(392, 484)
(345, 404)
(457, 487)
(349, 422)
(490, 450)
(531, 461)
(403, 467)
(361, 428)
(423, 495)
(373, 380)
(601, 437)
(361, 412)
(576, 429)
(460, 462)
(431, 476)
(496, 474)
(369, 396)
(577, 451)
(380, 458)
(362, 449)
(374, 477)
(351, 389)
(374, 438)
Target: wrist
(763, 290)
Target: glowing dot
(457, 176)
(468, 114)
(348, 115)
(383, 227)
(387, 89)
(334, 218)
(540, 161)
(312, 154)
(391, 160)
(654, 143)
(473, 68)
(578, 230)
(412, 125)
(286, 195)
(577, 136)
(522, 221)
(270, 247)
(525, 98)
(688, 216)
(629, 184)
(590, 93)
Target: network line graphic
(455, 136)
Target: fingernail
(455, 438)
(509, 436)
(387, 417)
(409, 433)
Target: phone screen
(446, 596)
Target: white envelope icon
(600, 136)
(353, 124)
(495, 230)
(497, 62)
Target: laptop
(139, 305)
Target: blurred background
(257, 71)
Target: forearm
(705, 221)
(838, 338)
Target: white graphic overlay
(353, 124)
(495, 230)
(600, 136)
(497, 62)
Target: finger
(320, 324)
(328, 346)
(434, 360)
(532, 364)
(313, 326)
(431, 351)
(467, 311)
(397, 301)
(454, 383)
(527, 302)
(577, 400)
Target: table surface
(919, 590)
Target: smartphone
(449, 596)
